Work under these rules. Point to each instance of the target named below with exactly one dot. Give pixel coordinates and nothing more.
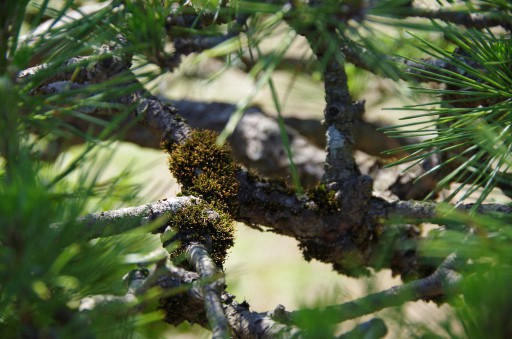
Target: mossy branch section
(206, 170)
(198, 223)
(325, 199)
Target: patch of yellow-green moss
(324, 199)
(199, 223)
(206, 170)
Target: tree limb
(183, 299)
(247, 324)
(374, 328)
(429, 210)
(467, 19)
(256, 141)
(212, 286)
(114, 222)
(443, 281)
(340, 236)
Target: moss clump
(325, 200)
(199, 223)
(204, 169)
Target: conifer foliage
(82, 257)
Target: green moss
(325, 200)
(206, 170)
(272, 184)
(199, 223)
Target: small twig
(443, 281)
(340, 115)
(108, 62)
(212, 286)
(159, 271)
(187, 286)
(374, 328)
(474, 20)
(427, 210)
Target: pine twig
(118, 221)
(467, 19)
(374, 328)
(442, 282)
(428, 210)
(212, 286)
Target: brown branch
(108, 62)
(183, 299)
(243, 322)
(111, 62)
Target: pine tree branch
(264, 203)
(105, 64)
(243, 322)
(246, 324)
(464, 18)
(183, 299)
(428, 210)
(444, 281)
(108, 223)
(374, 328)
(212, 286)
(331, 236)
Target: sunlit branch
(114, 222)
(212, 285)
(442, 282)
